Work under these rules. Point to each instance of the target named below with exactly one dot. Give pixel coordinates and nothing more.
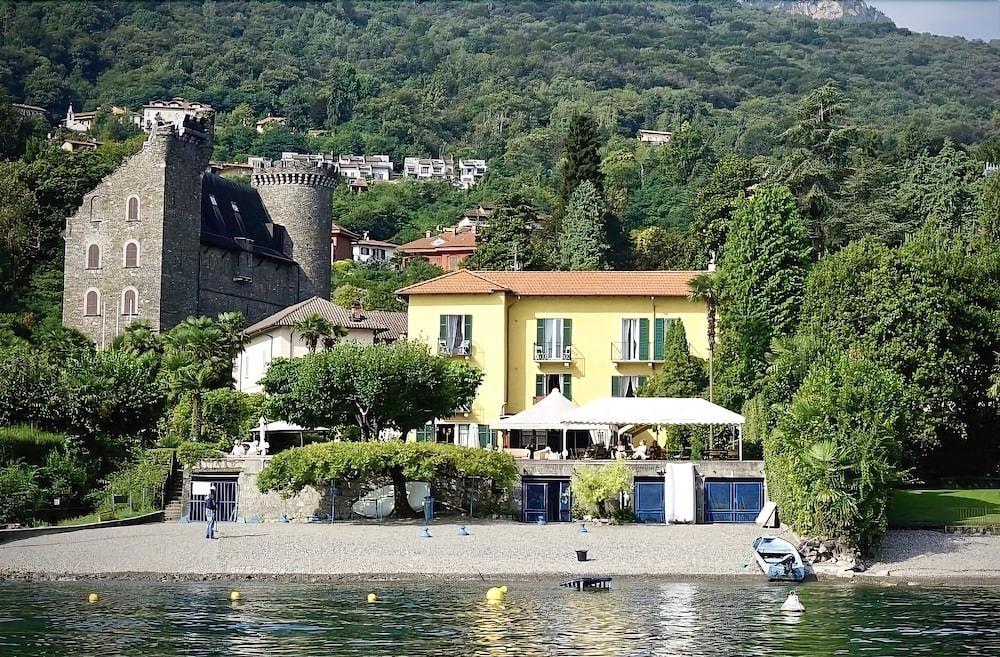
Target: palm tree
(193, 380)
(312, 328)
(706, 287)
(138, 339)
(330, 341)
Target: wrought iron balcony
(553, 353)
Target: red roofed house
(447, 250)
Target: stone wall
(299, 196)
(274, 285)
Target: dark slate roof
(222, 224)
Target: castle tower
(298, 195)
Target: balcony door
(552, 338)
(630, 338)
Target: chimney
(365, 235)
(357, 314)
(427, 233)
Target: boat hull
(778, 559)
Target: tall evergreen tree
(716, 201)
(583, 162)
(511, 240)
(583, 243)
(763, 271)
(681, 375)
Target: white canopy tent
(546, 414)
(618, 412)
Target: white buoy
(792, 604)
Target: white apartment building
(364, 167)
(655, 137)
(428, 168)
(470, 171)
(170, 111)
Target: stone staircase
(173, 508)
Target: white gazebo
(546, 414)
(617, 413)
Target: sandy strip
(353, 551)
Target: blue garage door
(649, 501)
(733, 501)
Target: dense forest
(834, 172)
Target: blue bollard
(428, 508)
(425, 532)
(462, 531)
(582, 529)
(541, 520)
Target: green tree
(511, 241)
(681, 374)
(582, 163)
(191, 382)
(312, 328)
(656, 248)
(763, 271)
(835, 456)
(715, 202)
(583, 243)
(706, 288)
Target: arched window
(93, 257)
(92, 303)
(130, 302)
(131, 255)
(132, 209)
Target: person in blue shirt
(210, 505)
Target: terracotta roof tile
(559, 283)
(461, 281)
(462, 239)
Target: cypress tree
(583, 162)
(583, 243)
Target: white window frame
(135, 310)
(138, 208)
(86, 256)
(552, 346)
(630, 349)
(86, 296)
(138, 254)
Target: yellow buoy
(372, 597)
(234, 596)
(93, 597)
(496, 594)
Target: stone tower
(298, 195)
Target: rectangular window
(455, 335)
(626, 386)
(546, 383)
(485, 436)
(634, 345)
(463, 435)
(553, 339)
(425, 434)
(365, 250)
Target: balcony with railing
(551, 352)
(462, 348)
(632, 352)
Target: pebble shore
(356, 551)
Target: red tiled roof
(559, 283)
(462, 239)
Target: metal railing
(630, 352)
(552, 352)
(464, 348)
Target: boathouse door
(227, 498)
(551, 499)
(535, 505)
(733, 500)
(649, 497)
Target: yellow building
(589, 334)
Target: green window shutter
(644, 339)
(616, 386)
(567, 332)
(659, 335)
(642, 382)
(539, 332)
(468, 327)
(567, 386)
(539, 385)
(485, 438)
(443, 328)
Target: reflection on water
(538, 618)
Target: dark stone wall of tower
(238, 281)
(299, 196)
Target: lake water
(538, 618)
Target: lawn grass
(120, 514)
(945, 507)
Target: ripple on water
(538, 618)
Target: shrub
(20, 495)
(28, 443)
(189, 453)
(142, 482)
(593, 488)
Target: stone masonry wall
(274, 285)
(299, 196)
(101, 220)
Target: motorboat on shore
(778, 559)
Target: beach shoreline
(366, 552)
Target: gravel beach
(370, 551)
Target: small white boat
(380, 502)
(778, 559)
